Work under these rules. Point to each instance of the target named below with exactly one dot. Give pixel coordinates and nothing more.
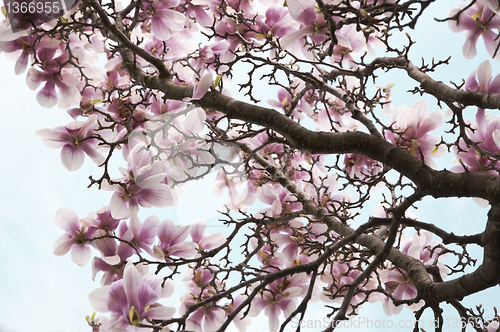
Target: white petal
(80, 255)
(72, 157)
(99, 299)
(202, 86)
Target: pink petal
(431, 122)
(149, 229)
(212, 241)
(63, 244)
(390, 309)
(194, 122)
(33, 79)
(21, 64)
(201, 88)
(146, 295)
(92, 153)
(145, 182)
(157, 196)
(54, 138)
(287, 40)
(117, 299)
(131, 283)
(119, 209)
(491, 43)
(168, 288)
(112, 260)
(80, 254)
(175, 19)
(197, 230)
(273, 318)
(469, 48)
(67, 220)
(72, 157)
(493, 5)
(302, 11)
(160, 312)
(106, 246)
(483, 75)
(47, 96)
(99, 299)
(213, 319)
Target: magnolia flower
(304, 12)
(203, 240)
(74, 141)
(485, 131)
(338, 276)
(143, 184)
(113, 259)
(280, 296)
(133, 299)
(398, 283)
(200, 283)
(77, 237)
(412, 126)
(360, 166)
(59, 83)
(165, 20)
(477, 20)
(142, 234)
(172, 241)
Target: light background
(44, 293)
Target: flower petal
(201, 88)
(72, 158)
(80, 254)
(63, 244)
(99, 299)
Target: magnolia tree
(148, 87)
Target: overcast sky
(44, 293)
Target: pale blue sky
(44, 293)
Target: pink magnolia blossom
(74, 141)
(173, 242)
(484, 83)
(280, 296)
(163, 19)
(339, 276)
(360, 166)
(270, 259)
(25, 44)
(397, 282)
(59, 83)
(205, 241)
(142, 235)
(278, 22)
(77, 237)
(102, 219)
(133, 299)
(142, 184)
(477, 20)
(485, 131)
(200, 287)
(412, 125)
(113, 259)
(303, 12)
